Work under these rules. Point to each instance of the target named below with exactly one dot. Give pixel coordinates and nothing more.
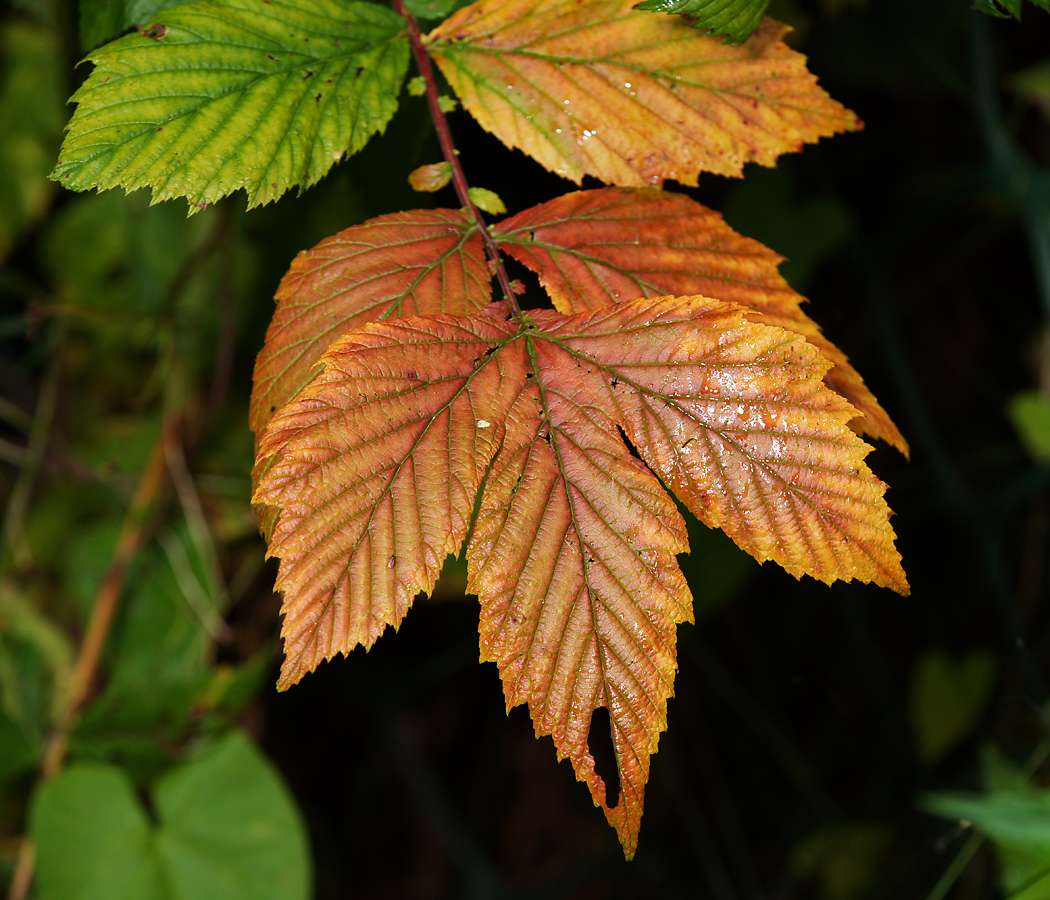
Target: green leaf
(227, 830)
(1033, 84)
(256, 94)
(36, 660)
(487, 200)
(1019, 826)
(736, 19)
(434, 9)
(231, 830)
(93, 839)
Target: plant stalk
(448, 150)
(132, 536)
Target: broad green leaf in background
(628, 97)
(226, 829)
(736, 19)
(262, 95)
(93, 838)
(31, 116)
(948, 696)
(1018, 823)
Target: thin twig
(132, 536)
(952, 873)
(448, 150)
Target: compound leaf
(736, 19)
(379, 460)
(377, 464)
(262, 95)
(596, 248)
(630, 98)
(404, 264)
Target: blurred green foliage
(806, 722)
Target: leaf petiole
(448, 150)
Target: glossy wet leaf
(263, 95)
(403, 264)
(628, 97)
(736, 19)
(597, 248)
(378, 462)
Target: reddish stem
(448, 150)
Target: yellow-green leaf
(487, 200)
(216, 96)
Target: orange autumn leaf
(378, 462)
(404, 264)
(601, 89)
(596, 248)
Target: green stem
(952, 873)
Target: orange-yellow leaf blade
(597, 88)
(573, 558)
(376, 466)
(404, 264)
(377, 463)
(735, 418)
(596, 248)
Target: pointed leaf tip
(597, 248)
(378, 462)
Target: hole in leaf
(627, 443)
(600, 746)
